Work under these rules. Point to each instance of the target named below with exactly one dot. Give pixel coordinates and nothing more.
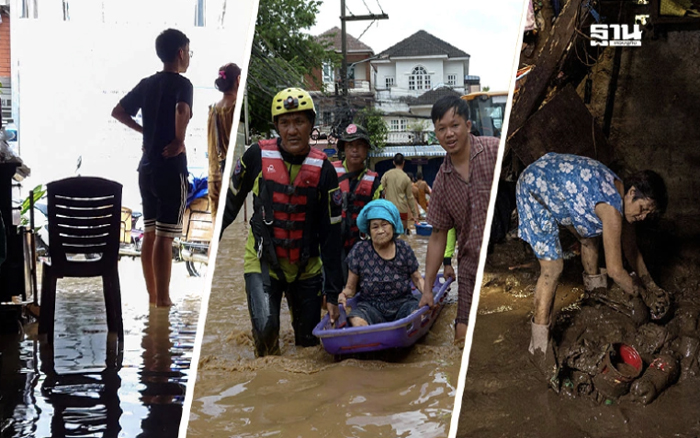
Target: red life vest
(354, 202)
(290, 200)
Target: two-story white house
(410, 76)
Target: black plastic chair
(84, 222)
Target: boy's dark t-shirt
(156, 96)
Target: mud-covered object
(685, 321)
(620, 301)
(687, 348)
(620, 365)
(661, 373)
(578, 385)
(585, 356)
(649, 339)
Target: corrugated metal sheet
(410, 151)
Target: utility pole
(344, 38)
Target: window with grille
(328, 72)
(452, 80)
(419, 79)
(389, 81)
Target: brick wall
(5, 46)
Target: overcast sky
(486, 30)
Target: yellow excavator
(487, 111)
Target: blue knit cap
(380, 209)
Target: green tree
(486, 89)
(375, 124)
(283, 55)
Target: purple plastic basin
(400, 333)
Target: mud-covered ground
(506, 396)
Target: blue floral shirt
(562, 189)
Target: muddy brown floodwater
(305, 392)
(505, 396)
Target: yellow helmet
(291, 100)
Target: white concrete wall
(96, 64)
(384, 70)
(455, 68)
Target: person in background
(460, 199)
(398, 189)
(414, 190)
(165, 101)
(423, 190)
(219, 126)
(358, 184)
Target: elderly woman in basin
(383, 267)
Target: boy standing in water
(165, 101)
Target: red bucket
(620, 366)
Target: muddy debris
(660, 374)
(610, 327)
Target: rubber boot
(542, 354)
(593, 282)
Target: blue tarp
(197, 189)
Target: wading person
(165, 101)
(358, 184)
(295, 227)
(219, 126)
(384, 267)
(460, 199)
(423, 191)
(591, 201)
(398, 188)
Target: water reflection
(87, 384)
(163, 387)
(85, 403)
(18, 379)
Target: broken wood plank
(546, 66)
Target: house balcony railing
(407, 137)
(354, 86)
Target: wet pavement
(305, 392)
(87, 386)
(506, 396)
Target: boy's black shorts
(163, 197)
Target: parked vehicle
(488, 109)
(192, 247)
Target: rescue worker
(295, 226)
(358, 184)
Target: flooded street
(506, 396)
(85, 386)
(305, 392)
